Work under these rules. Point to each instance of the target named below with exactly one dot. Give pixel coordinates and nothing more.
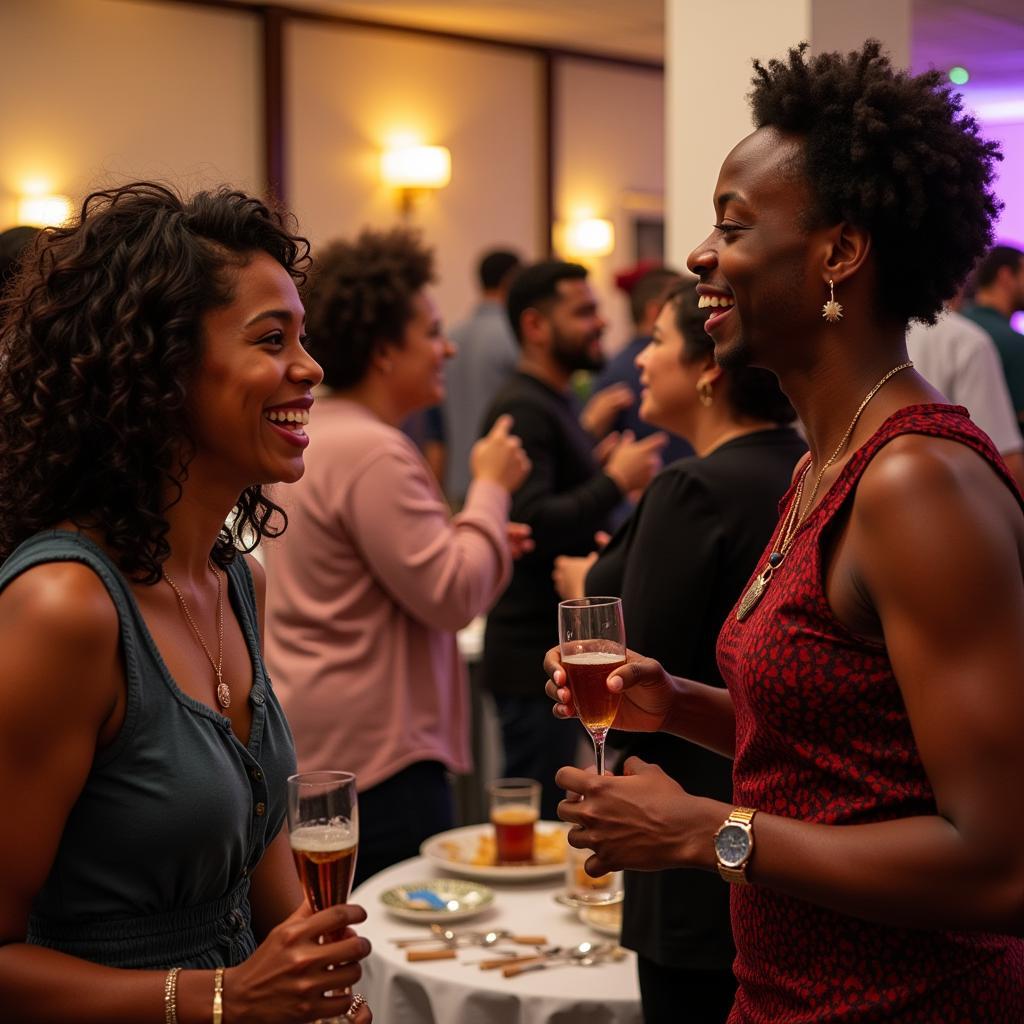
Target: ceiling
(985, 36)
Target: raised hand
(632, 464)
(499, 456)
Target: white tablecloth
(451, 992)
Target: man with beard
(567, 497)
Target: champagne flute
(323, 830)
(592, 640)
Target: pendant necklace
(223, 690)
(794, 519)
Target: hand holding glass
(323, 829)
(592, 642)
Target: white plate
(606, 918)
(454, 850)
(444, 899)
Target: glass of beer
(515, 808)
(323, 829)
(592, 639)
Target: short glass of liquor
(582, 888)
(515, 808)
(323, 829)
(592, 640)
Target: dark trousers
(536, 745)
(396, 815)
(671, 995)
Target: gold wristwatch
(734, 844)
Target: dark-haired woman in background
(679, 564)
(150, 355)
(374, 576)
(874, 707)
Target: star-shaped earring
(832, 311)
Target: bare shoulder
(66, 601)
(259, 583)
(920, 476)
(60, 634)
(259, 575)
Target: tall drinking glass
(592, 639)
(323, 829)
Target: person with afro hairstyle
(374, 577)
(152, 382)
(874, 708)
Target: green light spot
(959, 75)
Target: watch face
(732, 845)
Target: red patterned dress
(822, 735)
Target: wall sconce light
(40, 211)
(415, 169)
(587, 238)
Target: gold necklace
(794, 517)
(223, 690)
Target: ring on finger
(358, 1000)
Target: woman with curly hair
(362, 633)
(875, 846)
(152, 381)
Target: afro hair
(360, 299)
(893, 154)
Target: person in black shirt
(679, 564)
(567, 497)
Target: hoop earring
(832, 311)
(705, 393)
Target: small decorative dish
(441, 899)
(601, 899)
(606, 919)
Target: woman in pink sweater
(374, 576)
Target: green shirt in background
(1010, 344)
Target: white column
(708, 76)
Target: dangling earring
(705, 394)
(832, 311)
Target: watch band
(744, 817)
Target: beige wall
(609, 126)
(94, 92)
(348, 90)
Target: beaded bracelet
(171, 996)
(218, 996)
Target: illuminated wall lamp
(44, 211)
(415, 169)
(588, 238)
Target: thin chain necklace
(794, 518)
(223, 690)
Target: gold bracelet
(171, 996)
(218, 996)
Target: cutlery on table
(586, 954)
(471, 938)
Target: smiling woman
(362, 636)
(874, 707)
(148, 353)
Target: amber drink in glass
(592, 641)
(515, 808)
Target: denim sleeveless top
(153, 865)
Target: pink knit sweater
(365, 591)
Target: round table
(453, 992)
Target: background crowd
(488, 471)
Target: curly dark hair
(751, 390)
(100, 337)
(894, 154)
(359, 299)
